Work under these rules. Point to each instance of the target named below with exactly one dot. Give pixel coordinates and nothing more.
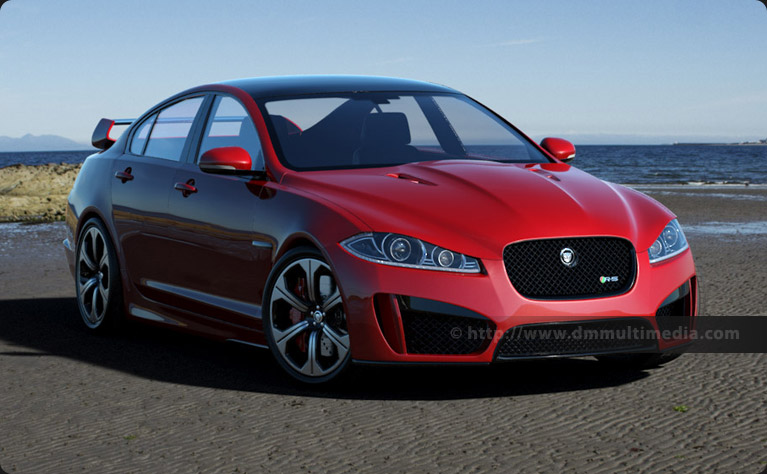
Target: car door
(144, 179)
(220, 262)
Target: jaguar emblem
(567, 256)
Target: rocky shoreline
(35, 193)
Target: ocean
(669, 164)
(42, 157)
(625, 164)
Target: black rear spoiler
(100, 138)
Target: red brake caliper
(296, 316)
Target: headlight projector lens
(400, 249)
(670, 236)
(655, 249)
(445, 258)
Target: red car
(374, 220)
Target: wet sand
(149, 400)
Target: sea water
(624, 164)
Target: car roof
(260, 87)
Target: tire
(97, 278)
(637, 361)
(304, 318)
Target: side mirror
(226, 160)
(560, 149)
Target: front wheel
(304, 319)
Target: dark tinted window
(230, 125)
(171, 129)
(385, 129)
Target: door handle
(185, 188)
(124, 175)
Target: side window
(171, 129)
(139, 138)
(230, 125)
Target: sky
(612, 71)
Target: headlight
(404, 251)
(670, 242)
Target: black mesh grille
(577, 338)
(429, 333)
(675, 318)
(536, 270)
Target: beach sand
(148, 400)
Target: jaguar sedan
(340, 219)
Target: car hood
(478, 207)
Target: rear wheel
(304, 319)
(97, 282)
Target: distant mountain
(31, 142)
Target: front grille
(577, 338)
(603, 266)
(430, 333)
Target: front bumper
(375, 320)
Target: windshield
(363, 130)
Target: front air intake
(577, 338)
(432, 327)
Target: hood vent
(544, 173)
(410, 178)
